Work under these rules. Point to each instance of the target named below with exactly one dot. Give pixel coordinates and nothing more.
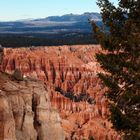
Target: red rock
(70, 69)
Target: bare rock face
(25, 111)
(70, 74)
(7, 124)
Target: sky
(11, 10)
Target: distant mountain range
(70, 29)
(70, 23)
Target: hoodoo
(72, 87)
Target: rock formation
(26, 113)
(70, 75)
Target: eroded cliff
(25, 111)
(70, 74)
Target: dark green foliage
(76, 98)
(17, 75)
(26, 40)
(91, 138)
(122, 63)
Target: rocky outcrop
(70, 75)
(26, 113)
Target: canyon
(60, 96)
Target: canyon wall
(26, 113)
(70, 76)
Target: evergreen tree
(121, 63)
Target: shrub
(17, 75)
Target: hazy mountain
(53, 24)
(68, 29)
(74, 17)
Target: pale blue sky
(22, 9)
